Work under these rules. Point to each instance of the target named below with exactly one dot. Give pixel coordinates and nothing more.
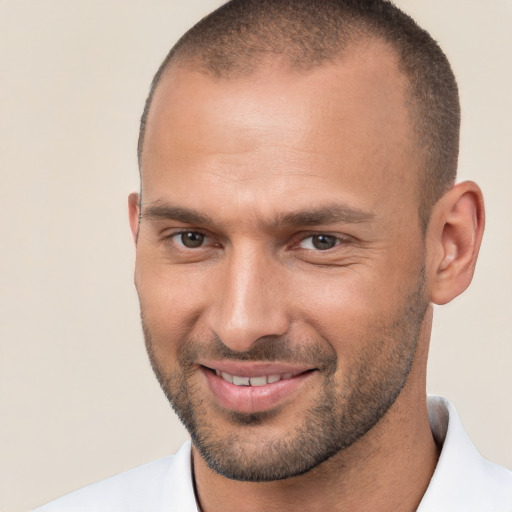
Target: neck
(388, 469)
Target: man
(298, 216)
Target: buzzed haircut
(241, 35)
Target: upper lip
(254, 368)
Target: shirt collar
(463, 481)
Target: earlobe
(455, 234)
(134, 212)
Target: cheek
(353, 309)
(335, 297)
(170, 299)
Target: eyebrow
(325, 215)
(158, 211)
(330, 214)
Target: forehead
(345, 124)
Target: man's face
(280, 258)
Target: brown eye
(323, 242)
(319, 242)
(191, 239)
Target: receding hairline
(269, 63)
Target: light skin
(279, 220)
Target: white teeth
(253, 381)
(258, 381)
(241, 381)
(227, 376)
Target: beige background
(78, 401)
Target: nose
(249, 301)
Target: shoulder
(148, 487)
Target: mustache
(285, 349)
(265, 349)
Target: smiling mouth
(250, 387)
(256, 381)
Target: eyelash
(336, 239)
(173, 236)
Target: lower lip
(252, 399)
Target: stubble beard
(342, 412)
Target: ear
(134, 213)
(454, 235)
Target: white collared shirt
(462, 482)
